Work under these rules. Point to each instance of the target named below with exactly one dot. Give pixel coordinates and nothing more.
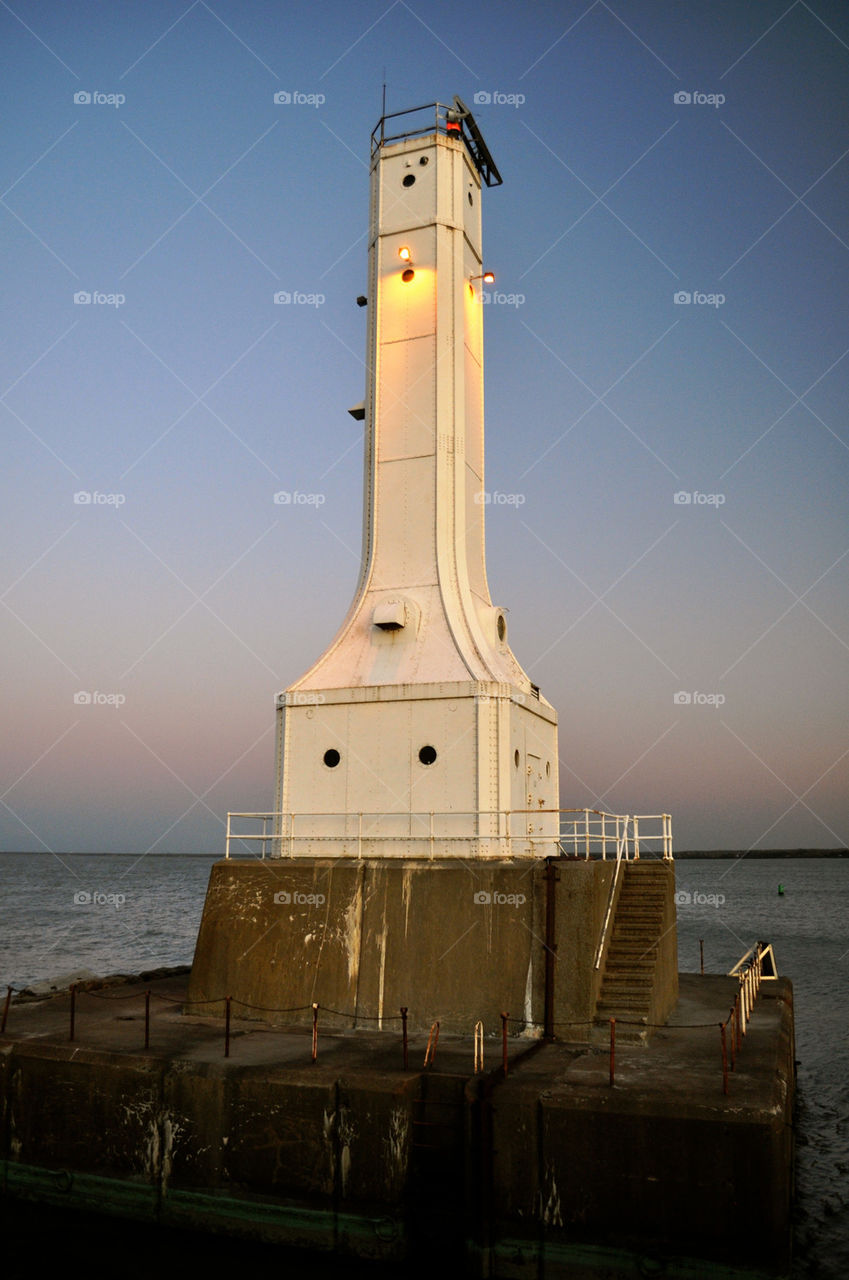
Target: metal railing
(539, 833)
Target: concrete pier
(548, 1171)
(455, 940)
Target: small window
(407, 275)
(423, 160)
(409, 180)
(516, 757)
(501, 626)
(332, 758)
(469, 194)
(427, 755)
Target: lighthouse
(417, 723)
(417, 864)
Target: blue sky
(182, 197)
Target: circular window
(409, 180)
(469, 194)
(423, 160)
(501, 626)
(332, 758)
(427, 755)
(516, 757)
(407, 275)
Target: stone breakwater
(548, 1170)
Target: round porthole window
(407, 275)
(427, 755)
(501, 626)
(332, 758)
(409, 180)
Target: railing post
(227, 839)
(636, 821)
(724, 1059)
(430, 1048)
(478, 1047)
(314, 1031)
(587, 835)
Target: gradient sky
(197, 399)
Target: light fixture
(488, 277)
(404, 254)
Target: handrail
(575, 833)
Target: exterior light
(488, 277)
(404, 254)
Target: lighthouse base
(450, 942)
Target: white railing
(576, 833)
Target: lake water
(117, 913)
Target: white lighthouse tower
(418, 723)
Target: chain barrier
(732, 1029)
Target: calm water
(143, 913)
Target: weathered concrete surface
(453, 941)
(548, 1172)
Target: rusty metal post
(612, 1050)
(432, 1041)
(738, 1028)
(314, 1031)
(227, 1026)
(6, 1004)
(551, 878)
(147, 1019)
(504, 1018)
(733, 1021)
(73, 1009)
(702, 956)
(724, 1059)
(404, 1032)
